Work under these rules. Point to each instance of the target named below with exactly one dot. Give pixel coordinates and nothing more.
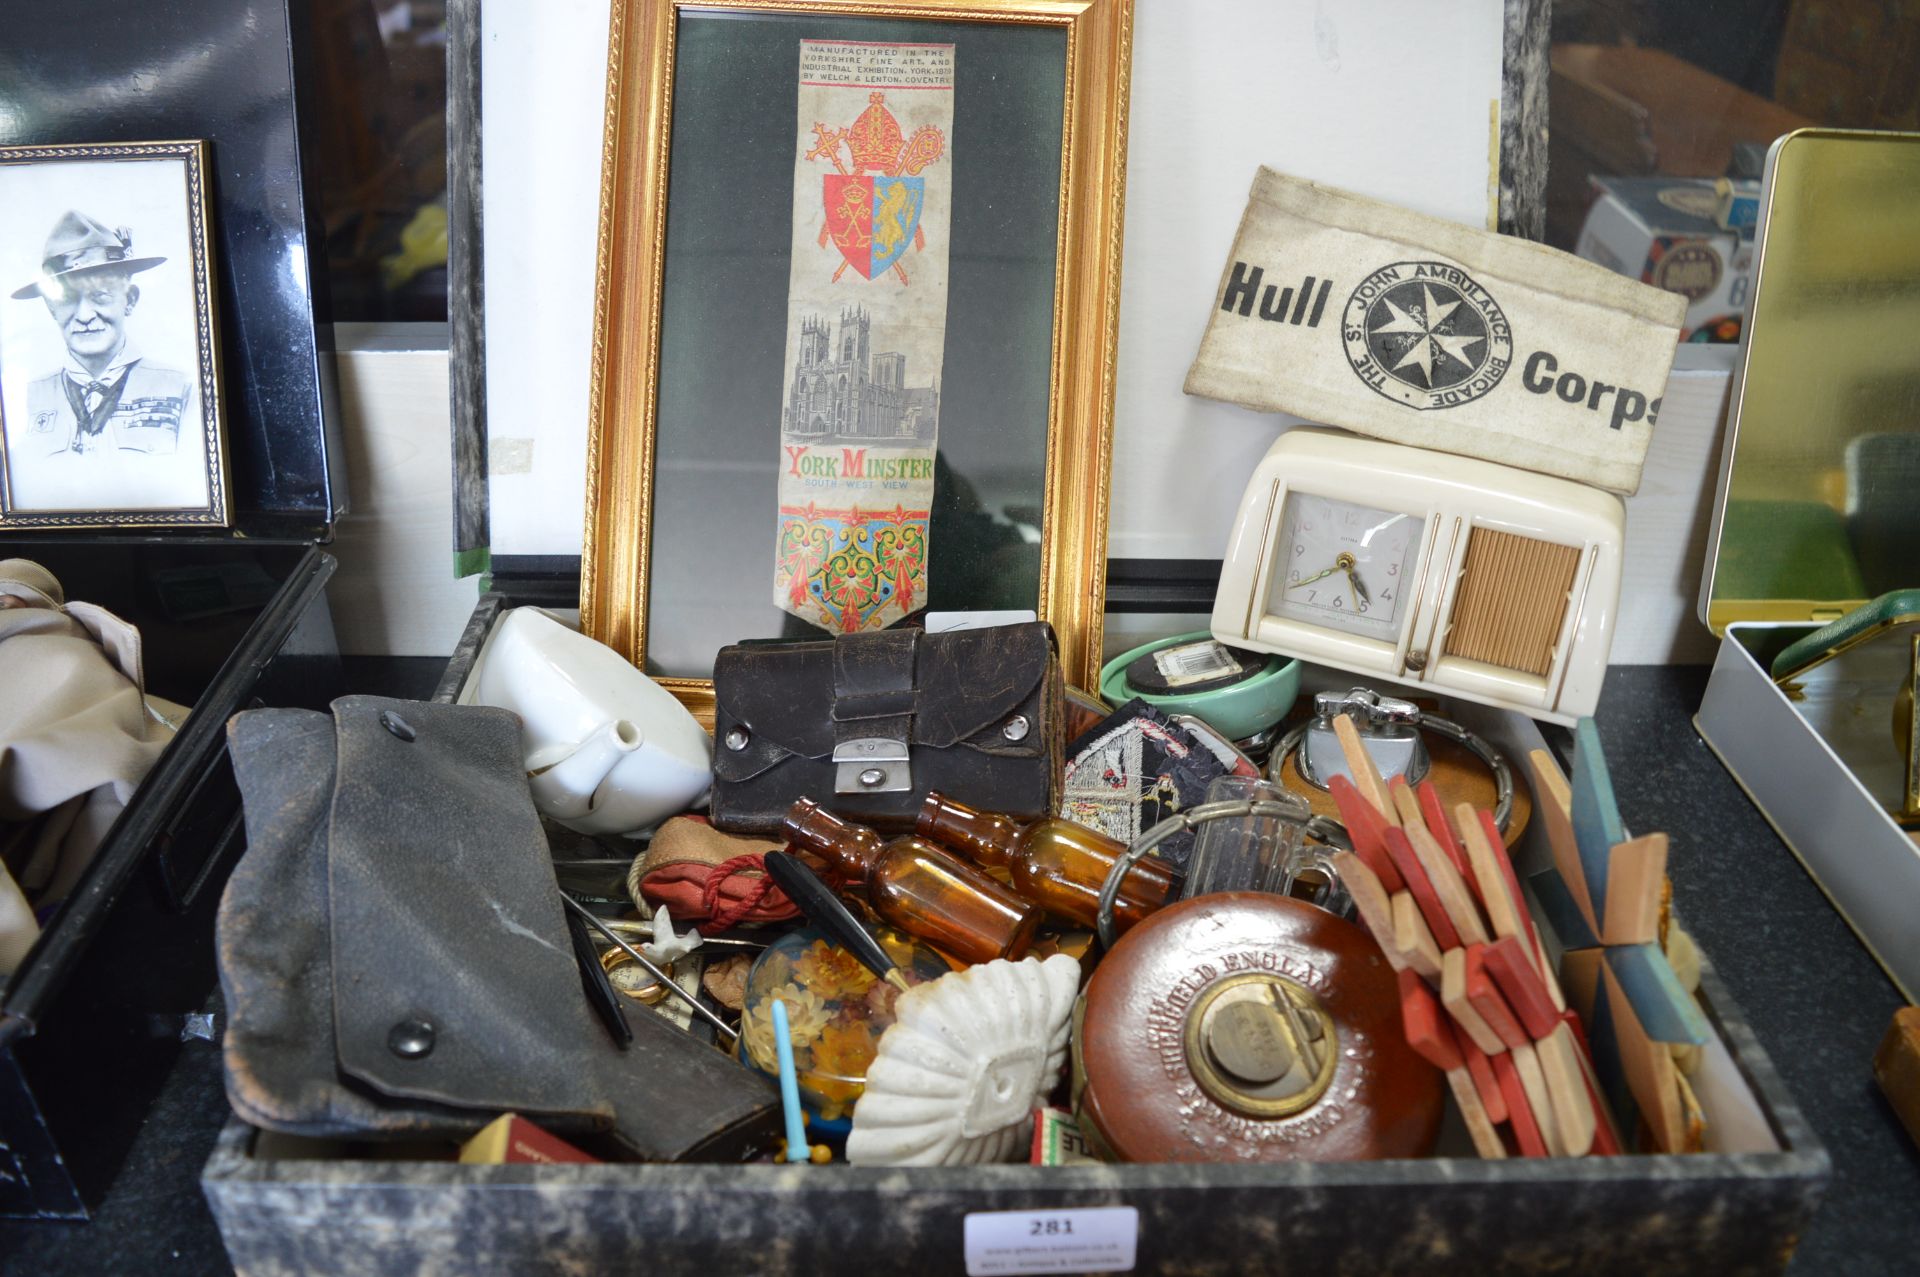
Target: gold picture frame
(98, 426)
(631, 265)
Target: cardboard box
(1661, 231)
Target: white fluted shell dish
(956, 1078)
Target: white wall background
(543, 86)
(1396, 99)
(395, 593)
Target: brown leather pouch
(867, 724)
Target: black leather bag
(867, 724)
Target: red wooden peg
(1366, 830)
(1400, 851)
(1434, 816)
(1485, 996)
(1507, 961)
(1519, 1112)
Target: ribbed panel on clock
(1512, 598)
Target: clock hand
(1344, 563)
(1315, 577)
(1359, 590)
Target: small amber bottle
(920, 888)
(1058, 863)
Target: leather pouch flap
(423, 939)
(397, 875)
(967, 684)
(972, 681)
(780, 696)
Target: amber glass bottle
(920, 888)
(1057, 863)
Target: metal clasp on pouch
(871, 765)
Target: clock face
(1344, 566)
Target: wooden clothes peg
(1554, 801)
(1366, 830)
(1366, 776)
(1414, 873)
(1414, 940)
(1429, 1034)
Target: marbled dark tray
(1710, 1212)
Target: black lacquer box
(102, 1006)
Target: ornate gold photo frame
(110, 408)
(945, 343)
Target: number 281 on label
(1099, 1239)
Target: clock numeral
(1393, 569)
(1298, 549)
(1294, 575)
(1339, 600)
(1386, 596)
(1361, 606)
(1312, 595)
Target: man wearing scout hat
(107, 398)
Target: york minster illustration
(842, 389)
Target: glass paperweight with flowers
(836, 1011)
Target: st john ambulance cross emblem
(1426, 334)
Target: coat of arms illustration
(858, 424)
(873, 202)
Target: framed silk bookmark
(855, 322)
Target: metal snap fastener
(1416, 660)
(397, 725)
(1016, 728)
(411, 1039)
(738, 738)
(872, 776)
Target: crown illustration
(875, 138)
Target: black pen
(828, 912)
(601, 995)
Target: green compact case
(1236, 692)
(1878, 619)
(1895, 615)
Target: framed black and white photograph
(109, 358)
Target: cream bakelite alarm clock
(1474, 579)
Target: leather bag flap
(967, 684)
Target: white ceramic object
(967, 1059)
(608, 750)
(668, 947)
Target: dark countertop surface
(1814, 997)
